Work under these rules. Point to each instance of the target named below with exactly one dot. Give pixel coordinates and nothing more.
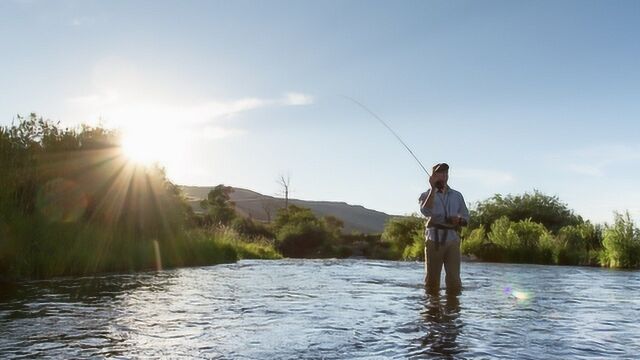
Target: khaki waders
(438, 253)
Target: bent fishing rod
(388, 128)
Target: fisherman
(446, 213)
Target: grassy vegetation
(529, 228)
(71, 203)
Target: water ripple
(331, 309)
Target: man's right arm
(426, 203)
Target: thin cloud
(123, 97)
(485, 177)
(297, 99)
(596, 160)
(584, 169)
(111, 105)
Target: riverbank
(67, 253)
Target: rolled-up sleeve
(425, 211)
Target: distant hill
(263, 208)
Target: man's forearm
(428, 202)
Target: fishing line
(388, 128)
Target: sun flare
(144, 147)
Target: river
(326, 309)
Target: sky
(513, 95)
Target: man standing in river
(446, 213)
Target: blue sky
(514, 95)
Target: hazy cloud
(584, 169)
(596, 160)
(293, 98)
(485, 177)
(218, 132)
(124, 96)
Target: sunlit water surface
(326, 309)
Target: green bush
(621, 243)
(71, 203)
(250, 228)
(402, 233)
(299, 233)
(415, 251)
(521, 241)
(300, 240)
(539, 208)
(577, 244)
(474, 243)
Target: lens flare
(516, 294)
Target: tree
(285, 183)
(544, 209)
(218, 205)
(268, 206)
(333, 225)
(300, 233)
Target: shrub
(403, 232)
(300, 240)
(250, 228)
(621, 243)
(520, 241)
(540, 208)
(474, 243)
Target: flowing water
(326, 309)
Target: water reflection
(331, 309)
(442, 323)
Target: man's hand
(458, 220)
(432, 181)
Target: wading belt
(437, 227)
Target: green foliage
(621, 243)
(578, 244)
(219, 208)
(517, 240)
(250, 228)
(414, 251)
(520, 241)
(403, 232)
(71, 203)
(333, 225)
(259, 248)
(300, 233)
(365, 245)
(293, 215)
(539, 208)
(474, 243)
(530, 242)
(304, 239)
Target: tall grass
(621, 243)
(71, 203)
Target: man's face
(441, 178)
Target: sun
(169, 148)
(144, 147)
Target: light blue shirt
(449, 203)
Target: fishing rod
(388, 128)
